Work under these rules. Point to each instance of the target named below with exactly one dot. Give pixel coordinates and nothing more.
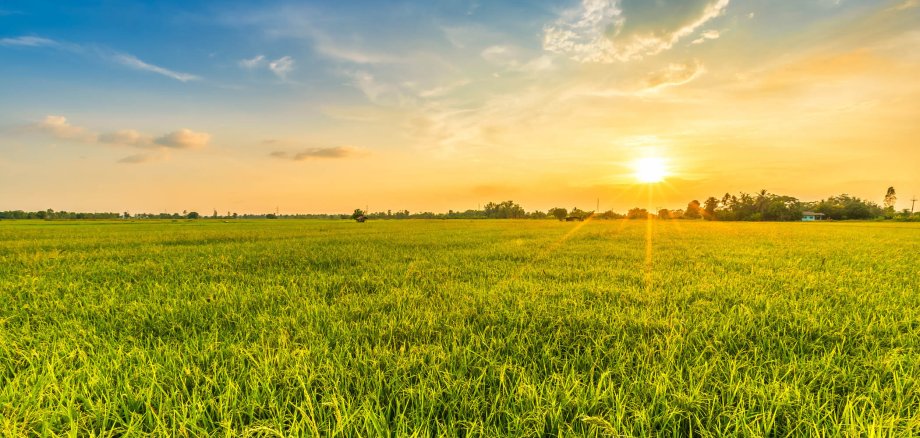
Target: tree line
(766, 206)
(761, 206)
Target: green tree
(504, 210)
(693, 210)
(891, 198)
(558, 213)
(664, 214)
(710, 206)
(637, 213)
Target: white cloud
(282, 66)
(120, 58)
(443, 89)
(673, 75)
(184, 139)
(622, 30)
(707, 35)
(515, 59)
(132, 61)
(334, 49)
(495, 53)
(378, 92)
(252, 62)
(28, 41)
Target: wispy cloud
(707, 35)
(135, 63)
(376, 91)
(28, 41)
(124, 59)
(282, 66)
(319, 153)
(615, 30)
(673, 75)
(305, 23)
(443, 89)
(331, 48)
(253, 62)
(906, 4)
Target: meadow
(459, 328)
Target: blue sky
(245, 106)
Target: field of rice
(459, 328)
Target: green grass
(459, 328)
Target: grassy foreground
(459, 328)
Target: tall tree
(890, 199)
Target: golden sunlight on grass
(650, 170)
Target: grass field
(459, 328)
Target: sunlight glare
(650, 170)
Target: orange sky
(323, 109)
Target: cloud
(157, 149)
(495, 53)
(252, 62)
(376, 91)
(607, 31)
(132, 62)
(319, 153)
(673, 75)
(443, 89)
(124, 59)
(127, 137)
(144, 158)
(331, 48)
(184, 139)
(282, 66)
(514, 59)
(28, 41)
(58, 127)
(907, 4)
(707, 35)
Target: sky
(326, 106)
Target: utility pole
(598, 205)
(912, 201)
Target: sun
(650, 170)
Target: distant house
(810, 216)
(361, 218)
